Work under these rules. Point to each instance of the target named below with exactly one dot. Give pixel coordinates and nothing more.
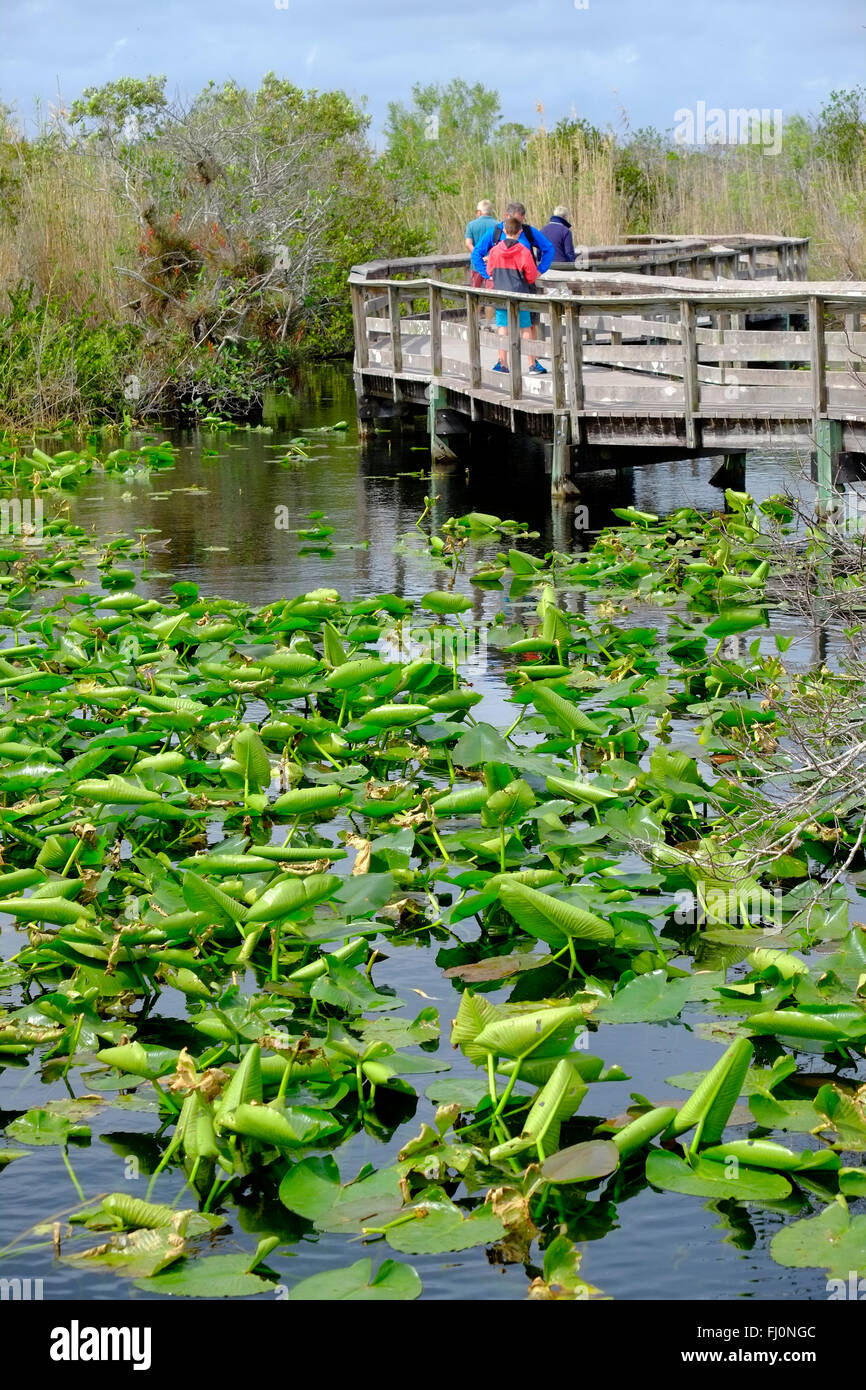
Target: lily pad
(704, 1178)
(437, 1227)
(595, 1158)
(393, 1282)
(211, 1276)
(833, 1240)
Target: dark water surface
(216, 517)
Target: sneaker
(499, 368)
(538, 369)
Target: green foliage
(841, 127)
(57, 361)
(128, 107)
(443, 126)
(236, 216)
(252, 207)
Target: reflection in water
(218, 507)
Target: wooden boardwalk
(734, 351)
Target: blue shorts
(502, 318)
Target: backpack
(534, 247)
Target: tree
(841, 128)
(444, 126)
(120, 111)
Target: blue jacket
(479, 255)
(558, 232)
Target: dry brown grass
(541, 177)
(702, 192)
(765, 195)
(70, 234)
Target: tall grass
(612, 191)
(747, 192)
(542, 176)
(72, 232)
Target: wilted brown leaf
(495, 967)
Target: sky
(618, 63)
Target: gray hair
(515, 209)
(560, 211)
(485, 207)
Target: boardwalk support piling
(731, 472)
(439, 449)
(560, 478)
(828, 448)
(366, 408)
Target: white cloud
(115, 49)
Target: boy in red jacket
(512, 267)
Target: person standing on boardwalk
(512, 267)
(558, 233)
(481, 224)
(535, 243)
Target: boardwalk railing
(735, 257)
(699, 365)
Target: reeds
(613, 190)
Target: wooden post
(817, 360)
(359, 320)
(396, 337)
(852, 326)
(828, 447)
(435, 331)
(514, 361)
(439, 450)
(473, 341)
(691, 388)
(556, 363)
(827, 433)
(574, 359)
(731, 472)
(560, 480)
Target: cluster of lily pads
(249, 809)
(24, 465)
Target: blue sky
(643, 59)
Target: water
(217, 517)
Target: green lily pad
(40, 1127)
(708, 1179)
(393, 1282)
(212, 1276)
(652, 998)
(595, 1158)
(437, 1227)
(313, 1189)
(833, 1240)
